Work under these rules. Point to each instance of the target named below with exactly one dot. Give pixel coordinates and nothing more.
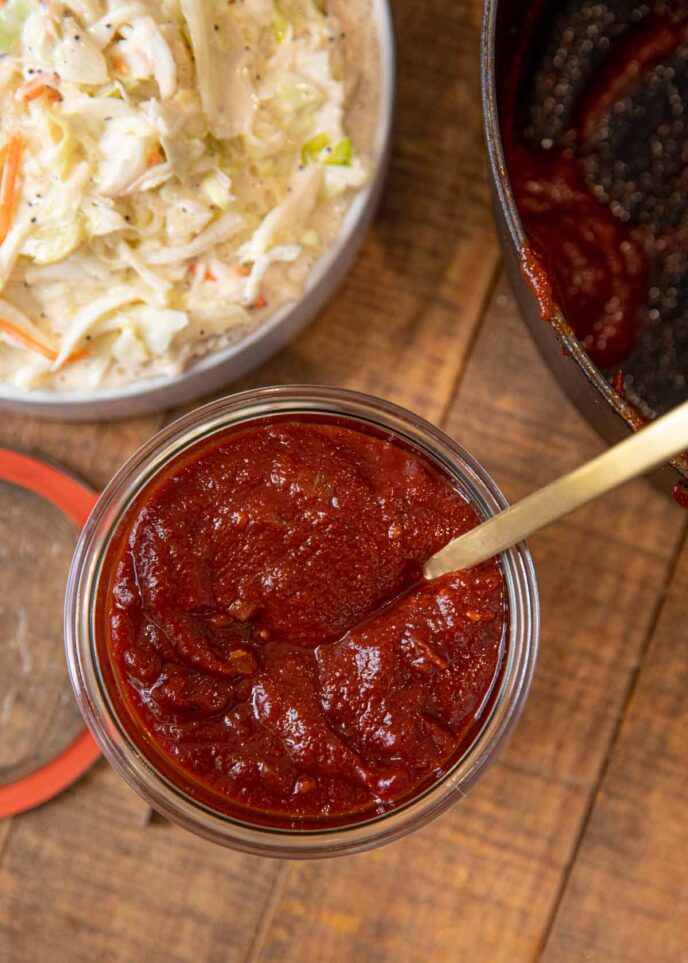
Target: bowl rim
(74, 402)
(507, 203)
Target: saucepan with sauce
(585, 112)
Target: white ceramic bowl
(213, 372)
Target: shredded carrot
(259, 303)
(33, 344)
(8, 184)
(153, 157)
(120, 66)
(27, 340)
(242, 270)
(35, 88)
(192, 267)
(78, 355)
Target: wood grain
(82, 880)
(94, 452)
(627, 897)
(482, 882)
(5, 827)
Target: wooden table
(574, 846)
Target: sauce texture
(271, 642)
(595, 268)
(598, 257)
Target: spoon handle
(643, 451)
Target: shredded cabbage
(13, 14)
(184, 162)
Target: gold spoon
(647, 449)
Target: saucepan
(587, 386)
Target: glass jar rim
(139, 771)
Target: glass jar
(101, 713)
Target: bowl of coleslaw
(184, 184)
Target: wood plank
(627, 897)
(4, 833)
(94, 452)
(481, 882)
(82, 880)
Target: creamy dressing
(156, 219)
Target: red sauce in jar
(267, 637)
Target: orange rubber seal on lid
(76, 502)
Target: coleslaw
(171, 170)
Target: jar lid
(44, 746)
